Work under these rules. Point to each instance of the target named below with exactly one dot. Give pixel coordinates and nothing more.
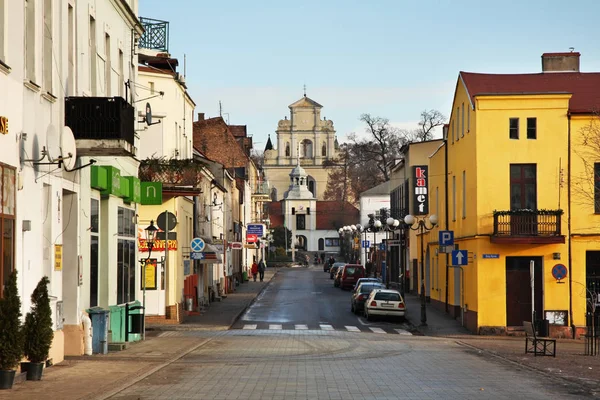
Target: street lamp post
(421, 225)
(150, 237)
(391, 225)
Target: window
(457, 128)
(94, 243)
(523, 187)
(464, 194)
(71, 51)
(452, 132)
(92, 53)
(332, 242)
(437, 200)
(2, 31)
(7, 225)
(151, 87)
(597, 187)
(122, 74)
(47, 46)
(287, 149)
(324, 150)
(468, 119)
(30, 40)
(300, 222)
(454, 198)
(126, 256)
(513, 128)
(531, 128)
(107, 66)
(462, 123)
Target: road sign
(255, 229)
(491, 256)
(251, 238)
(446, 238)
(381, 246)
(236, 245)
(559, 271)
(460, 257)
(197, 245)
(167, 221)
(196, 256)
(446, 249)
(366, 244)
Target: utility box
(99, 317)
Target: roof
(213, 138)
(238, 130)
(269, 145)
(331, 215)
(584, 86)
(381, 189)
(305, 102)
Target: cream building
(306, 136)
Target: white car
(385, 302)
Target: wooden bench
(536, 345)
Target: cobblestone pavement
(307, 364)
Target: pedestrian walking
(254, 270)
(261, 269)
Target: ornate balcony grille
(156, 35)
(523, 223)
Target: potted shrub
(37, 331)
(11, 338)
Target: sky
(392, 59)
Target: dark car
(350, 274)
(334, 268)
(364, 280)
(360, 295)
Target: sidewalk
(570, 363)
(100, 376)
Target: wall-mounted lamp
(556, 256)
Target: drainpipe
(447, 220)
(570, 266)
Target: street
(298, 341)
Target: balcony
(261, 190)
(156, 35)
(527, 227)
(174, 174)
(101, 125)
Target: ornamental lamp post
(150, 237)
(420, 224)
(391, 225)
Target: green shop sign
(151, 193)
(135, 190)
(114, 181)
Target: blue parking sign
(446, 238)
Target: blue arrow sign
(197, 245)
(460, 257)
(446, 238)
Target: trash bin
(245, 276)
(99, 317)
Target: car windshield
(369, 288)
(337, 265)
(350, 270)
(386, 296)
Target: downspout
(570, 266)
(447, 220)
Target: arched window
(324, 150)
(287, 149)
(307, 149)
(311, 186)
(321, 244)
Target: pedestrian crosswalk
(326, 327)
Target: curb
(239, 314)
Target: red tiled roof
(213, 137)
(331, 215)
(584, 86)
(238, 130)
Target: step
(118, 346)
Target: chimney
(560, 62)
(200, 116)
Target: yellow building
(519, 198)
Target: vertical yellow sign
(58, 257)
(150, 275)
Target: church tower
(306, 137)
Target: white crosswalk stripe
(250, 326)
(275, 326)
(327, 327)
(301, 327)
(377, 330)
(352, 329)
(403, 332)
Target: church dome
(298, 171)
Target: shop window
(126, 261)
(7, 225)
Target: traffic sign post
(559, 272)
(460, 257)
(446, 238)
(366, 244)
(197, 245)
(196, 256)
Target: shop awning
(211, 255)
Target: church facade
(306, 137)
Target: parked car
(350, 274)
(360, 294)
(334, 269)
(364, 280)
(338, 275)
(385, 302)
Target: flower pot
(34, 371)
(24, 366)
(6, 379)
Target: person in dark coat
(261, 269)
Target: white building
(371, 203)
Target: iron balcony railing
(261, 189)
(527, 223)
(156, 34)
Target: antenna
(572, 49)
(305, 90)
(220, 109)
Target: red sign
(251, 238)
(159, 245)
(236, 245)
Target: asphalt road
(305, 298)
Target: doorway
(518, 290)
(321, 244)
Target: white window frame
(30, 33)
(47, 44)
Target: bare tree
(588, 149)
(339, 176)
(258, 157)
(430, 119)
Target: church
(298, 180)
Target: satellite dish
(148, 114)
(52, 143)
(68, 148)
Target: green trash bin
(245, 276)
(117, 323)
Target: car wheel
(352, 308)
(367, 316)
